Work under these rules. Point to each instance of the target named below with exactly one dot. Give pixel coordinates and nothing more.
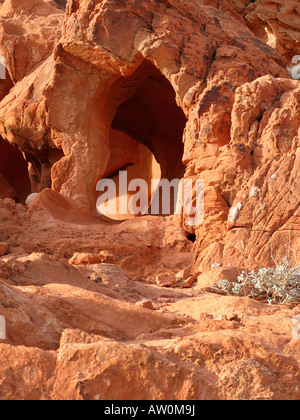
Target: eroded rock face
(170, 89)
(276, 23)
(28, 31)
(262, 156)
(131, 87)
(118, 75)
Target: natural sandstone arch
(75, 102)
(146, 136)
(152, 117)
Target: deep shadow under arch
(152, 117)
(14, 168)
(145, 117)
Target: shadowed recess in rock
(147, 129)
(152, 117)
(14, 170)
(61, 3)
(5, 84)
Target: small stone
(187, 284)
(3, 248)
(86, 259)
(30, 198)
(166, 281)
(184, 274)
(146, 303)
(107, 257)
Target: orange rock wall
(99, 309)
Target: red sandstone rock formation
(202, 86)
(276, 23)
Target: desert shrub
(273, 285)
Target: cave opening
(22, 173)
(13, 173)
(14, 178)
(146, 137)
(192, 238)
(152, 117)
(6, 83)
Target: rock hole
(13, 173)
(146, 136)
(192, 238)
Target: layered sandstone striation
(99, 308)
